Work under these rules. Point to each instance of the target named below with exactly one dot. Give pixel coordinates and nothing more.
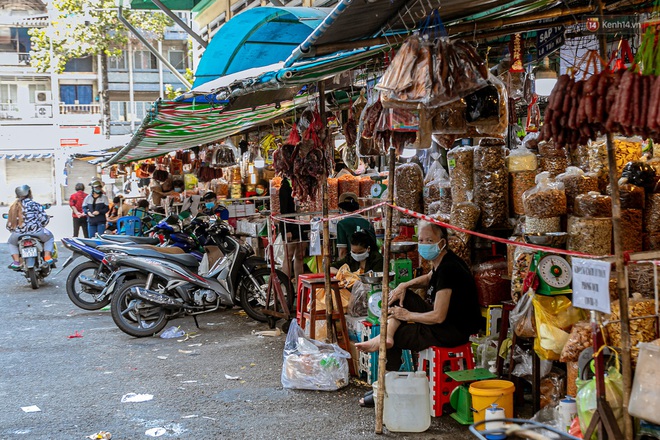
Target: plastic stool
(439, 360)
(304, 295)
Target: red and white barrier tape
(446, 225)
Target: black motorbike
(164, 289)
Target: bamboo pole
(620, 271)
(382, 350)
(329, 304)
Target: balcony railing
(80, 109)
(8, 107)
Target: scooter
(86, 281)
(162, 290)
(31, 252)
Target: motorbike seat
(184, 259)
(130, 239)
(28, 235)
(94, 242)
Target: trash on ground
(162, 357)
(156, 432)
(273, 333)
(173, 332)
(195, 345)
(188, 336)
(240, 313)
(31, 408)
(228, 377)
(103, 435)
(105, 309)
(133, 398)
(75, 335)
(186, 351)
(191, 416)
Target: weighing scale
(460, 399)
(375, 295)
(378, 188)
(401, 265)
(554, 272)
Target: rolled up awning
(26, 156)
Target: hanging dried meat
(432, 74)
(306, 163)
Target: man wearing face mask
(446, 317)
(364, 255)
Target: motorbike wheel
(253, 299)
(134, 316)
(32, 276)
(85, 297)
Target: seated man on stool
(448, 314)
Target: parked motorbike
(87, 280)
(164, 289)
(31, 253)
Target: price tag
(591, 284)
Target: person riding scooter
(28, 217)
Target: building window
(33, 89)
(75, 94)
(144, 60)
(8, 93)
(120, 111)
(177, 59)
(20, 40)
(84, 64)
(141, 109)
(117, 62)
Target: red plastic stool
(439, 360)
(303, 296)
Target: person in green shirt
(348, 202)
(364, 255)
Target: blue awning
(255, 38)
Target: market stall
(435, 134)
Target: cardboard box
(355, 357)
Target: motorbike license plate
(29, 252)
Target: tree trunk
(105, 102)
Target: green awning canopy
(172, 5)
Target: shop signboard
(549, 41)
(591, 284)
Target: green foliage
(171, 93)
(89, 27)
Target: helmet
(22, 191)
(95, 182)
(80, 187)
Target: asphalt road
(78, 383)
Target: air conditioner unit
(43, 111)
(43, 97)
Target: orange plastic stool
(438, 361)
(304, 295)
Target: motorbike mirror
(47, 206)
(5, 216)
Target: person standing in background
(292, 235)
(96, 206)
(76, 203)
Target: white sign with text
(591, 284)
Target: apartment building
(46, 119)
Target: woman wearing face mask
(446, 317)
(364, 255)
(96, 205)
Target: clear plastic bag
(465, 215)
(312, 365)
(652, 213)
(491, 182)
(438, 190)
(491, 282)
(579, 339)
(576, 182)
(519, 182)
(488, 109)
(409, 188)
(521, 318)
(450, 119)
(590, 235)
(522, 159)
(357, 306)
(593, 204)
(546, 199)
(587, 399)
(554, 315)
(524, 364)
(460, 161)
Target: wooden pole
(382, 350)
(620, 271)
(329, 306)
